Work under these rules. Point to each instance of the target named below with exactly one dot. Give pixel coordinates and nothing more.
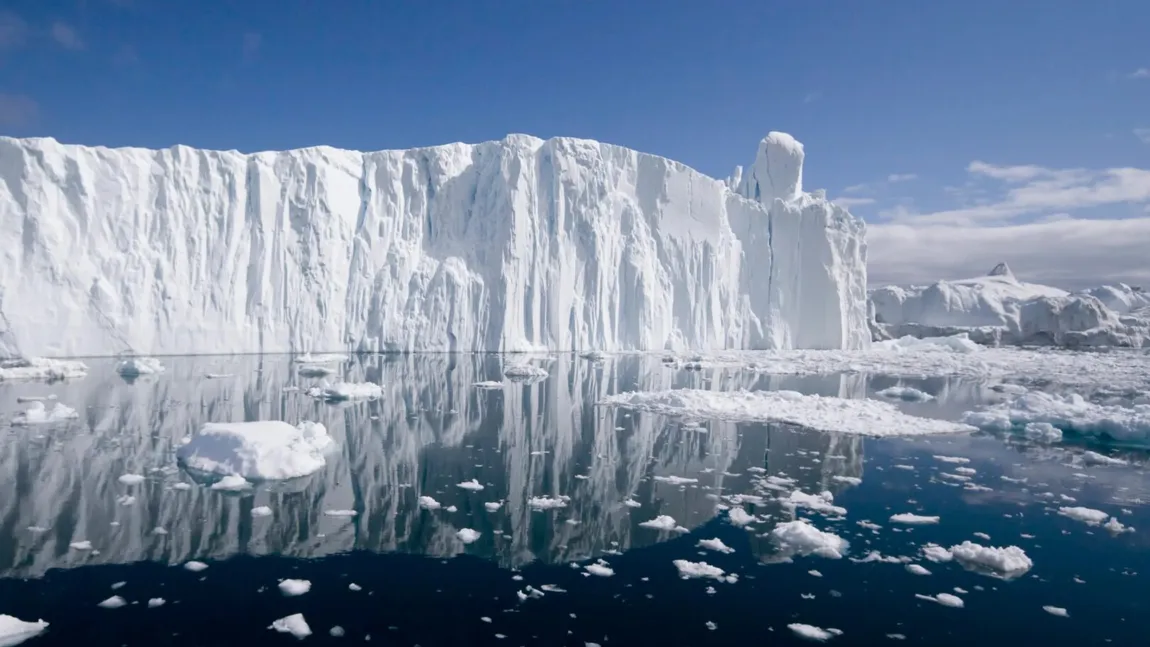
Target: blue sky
(922, 116)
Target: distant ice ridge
(999, 309)
(513, 245)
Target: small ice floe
(473, 485)
(131, 479)
(981, 535)
(822, 503)
(905, 393)
(340, 513)
(801, 538)
(257, 451)
(344, 391)
(547, 502)
(1042, 432)
(1004, 563)
(232, 483)
(336, 632)
(811, 632)
(261, 511)
(600, 568)
(1094, 458)
(715, 544)
(81, 545)
(137, 366)
(354, 587)
(1069, 413)
(817, 412)
(38, 414)
(676, 480)
(917, 569)
(293, 588)
(492, 506)
(702, 570)
(126, 500)
(195, 566)
(428, 503)
(956, 460)
(876, 556)
(737, 516)
(849, 480)
(315, 370)
(936, 553)
(1116, 527)
(631, 503)
(489, 384)
(41, 368)
(114, 602)
(14, 631)
(912, 519)
(945, 599)
(1056, 611)
(526, 372)
(320, 358)
(1088, 516)
(966, 471)
(468, 535)
(663, 522)
(159, 530)
(293, 624)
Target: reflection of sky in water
(433, 430)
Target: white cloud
(901, 177)
(1143, 134)
(1140, 73)
(849, 203)
(65, 35)
(17, 110)
(1066, 251)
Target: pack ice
(512, 245)
(999, 309)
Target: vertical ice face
(518, 244)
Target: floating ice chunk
(354, 587)
(600, 569)
(875, 556)
(822, 413)
(342, 391)
(131, 479)
(38, 414)
(428, 503)
(472, 485)
(137, 366)
(917, 569)
(936, 553)
(1116, 527)
(631, 503)
(1070, 413)
(811, 632)
(740, 517)
(41, 368)
(821, 503)
(493, 506)
(126, 500)
(905, 393)
(715, 544)
(849, 480)
(336, 631)
(261, 511)
(1042, 432)
(321, 358)
(525, 372)
(114, 602)
(1056, 611)
(945, 599)
(340, 513)
(1006, 562)
(156, 602)
(959, 343)
(467, 535)
(1088, 516)
(195, 566)
(800, 537)
(676, 480)
(257, 451)
(292, 588)
(912, 519)
(701, 570)
(14, 631)
(81, 545)
(488, 385)
(232, 483)
(1094, 458)
(313, 370)
(958, 460)
(547, 502)
(293, 624)
(663, 522)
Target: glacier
(521, 244)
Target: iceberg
(520, 244)
(257, 451)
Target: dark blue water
(420, 585)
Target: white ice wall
(509, 245)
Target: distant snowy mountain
(998, 308)
(512, 245)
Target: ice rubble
(263, 450)
(38, 414)
(999, 309)
(823, 413)
(1049, 415)
(517, 244)
(14, 631)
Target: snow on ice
(511, 245)
(1067, 414)
(259, 451)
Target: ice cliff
(1000, 309)
(518, 244)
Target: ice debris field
(657, 383)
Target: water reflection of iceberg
(431, 430)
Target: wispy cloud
(1140, 73)
(894, 178)
(1143, 134)
(17, 110)
(252, 43)
(66, 36)
(13, 30)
